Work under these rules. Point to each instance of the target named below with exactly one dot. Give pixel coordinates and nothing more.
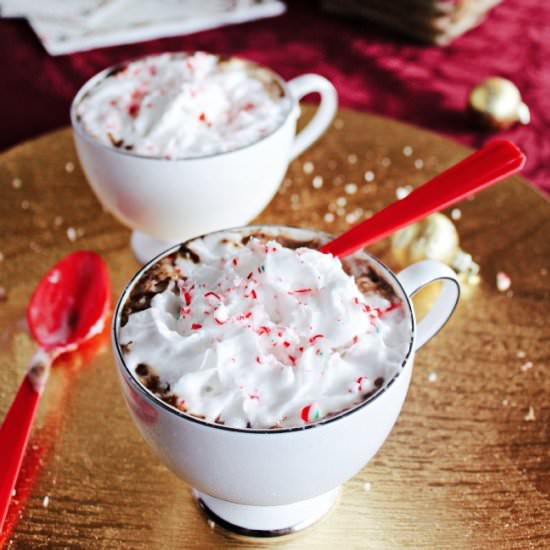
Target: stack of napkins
(434, 21)
(67, 26)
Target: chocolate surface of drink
(180, 105)
(257, 329)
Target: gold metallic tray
(467, 464)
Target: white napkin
(67, 26)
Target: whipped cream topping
(263, 336)
(183, 106)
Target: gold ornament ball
(496, 104)
(435, 237)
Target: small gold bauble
(496, 104)
(435, 237)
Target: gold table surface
(467, 464)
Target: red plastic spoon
(489, 165)
(68, 306)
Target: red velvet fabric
(372, 69)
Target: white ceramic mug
(268, 482)
(171, 200)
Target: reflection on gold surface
(461, 469)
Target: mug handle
(301, 86)
(421, 274)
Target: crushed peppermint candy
(180, 105)
(260, 335)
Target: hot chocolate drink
(258, 329)
(178, 105)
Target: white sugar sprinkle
(14, 492)
(402, 192)
(211, 524)
(521, 354)
(526, 366)
(46, 501)
(530, 416)
(505, 402)
(456, 213)
(329, 217)
(385, 162)
(341, 201)
(352, 159)
(35, 247)
(340, 211)
(338, 180)
(432, 377)
(308, 167)
(71, 234)
(419, 164)
(351, 217)
(407, 150)
(317, 182)
(16, 183)
(367, 486)
(69, 167)
(369, 175)
(503, 281)
(350, 188)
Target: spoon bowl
(68, 301)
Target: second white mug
(171, 200)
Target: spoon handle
(490, 164)
(16, 428)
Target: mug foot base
(145, 247)
(266, 521)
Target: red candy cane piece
(304, 413)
